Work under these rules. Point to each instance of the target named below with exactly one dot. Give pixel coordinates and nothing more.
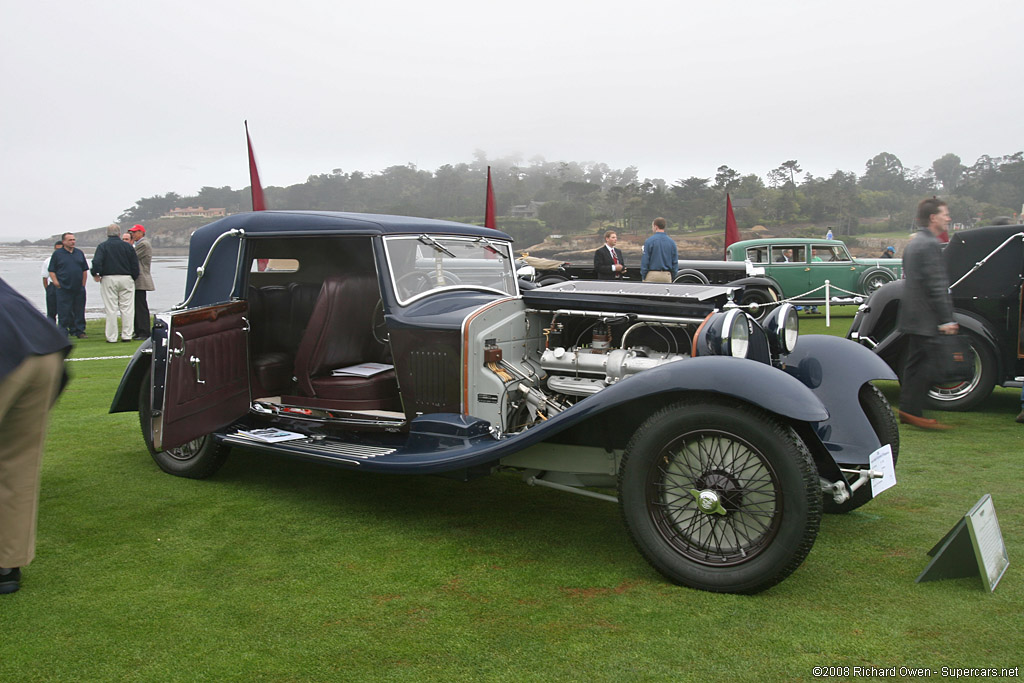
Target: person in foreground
(926, 312)
(31, 377)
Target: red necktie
(614, 257)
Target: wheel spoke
(733, 470)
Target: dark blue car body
(566, 384)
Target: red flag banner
(258, 204)
(490, 221)
(732, 233)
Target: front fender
(749, 381)
(834, 370)
(126, 398)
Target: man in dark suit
(608, 261)
(925, 312)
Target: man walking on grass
(926, 311)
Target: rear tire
(197, 459)
(962, 396)
(874, 280)
(887, 429)
(719, 495)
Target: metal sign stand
(973, 547)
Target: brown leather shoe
(1020, 417)
(923, 422)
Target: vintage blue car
(387, 344)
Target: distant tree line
(575, 197)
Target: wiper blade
(490, 245)
(430, 241)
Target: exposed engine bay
(523, 367)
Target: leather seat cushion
(273, 371)
(379, 392)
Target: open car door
(200, 372)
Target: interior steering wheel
(379, 326)
(419, 281)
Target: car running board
(314, 448)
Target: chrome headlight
(725, 333)
(735, 334)
(783, 328)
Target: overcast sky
(107, 101)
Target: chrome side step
(315, 447)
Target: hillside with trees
(536, 198)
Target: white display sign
(881, 461)
(987, 539)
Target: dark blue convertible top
(221, 269)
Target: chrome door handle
(194, 361)
(178, 351)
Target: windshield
(421, 264)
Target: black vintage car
(386, 344)
(985, 267)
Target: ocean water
(21, 267)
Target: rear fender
(126, 398)
(765, 282)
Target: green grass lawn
(279, 570)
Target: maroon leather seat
(340, 334)
(279, 315)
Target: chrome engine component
(611, 366)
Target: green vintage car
(800, 267)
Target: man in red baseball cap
(144, 283)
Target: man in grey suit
(143, 283)
(925, 312)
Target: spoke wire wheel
(195, 459)
(720, 495)
(741, 479)
(876, 281)
(187, 451)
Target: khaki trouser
(26, 395)
(662, 276)
(118, 293)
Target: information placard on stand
(973, 547)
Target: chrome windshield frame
(504, 257)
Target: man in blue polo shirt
(660, 261)
(69, 272)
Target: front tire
(883, 421)
(720, 496)
(197, 459)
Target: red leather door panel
(207, 373)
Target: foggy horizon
(113, 102)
